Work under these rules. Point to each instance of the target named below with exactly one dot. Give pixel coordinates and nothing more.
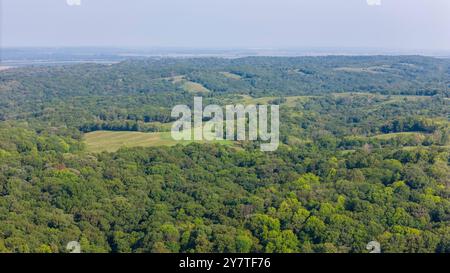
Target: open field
(375, 95)
(372, 69)
(194, 87)
(389, 136)
(111, 141)
(187, 85)
(290, 101)
(401, 134)
(231, 75)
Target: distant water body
(18, 57)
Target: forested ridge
(364, 156)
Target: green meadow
(111, 141)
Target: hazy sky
(395, 24)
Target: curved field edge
(111, 141)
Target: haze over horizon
(392, 25)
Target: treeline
(123, 125)
(409, 125)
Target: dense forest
(365, 156)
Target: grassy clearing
(371, 69)
(177, 79)
(390, 98)
(111, 141)
(414, 148)
(290, 101)
(231, 75)
(187, 85)
(395, 135)
(389, 136)
(194, 87)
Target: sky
(389, 24)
